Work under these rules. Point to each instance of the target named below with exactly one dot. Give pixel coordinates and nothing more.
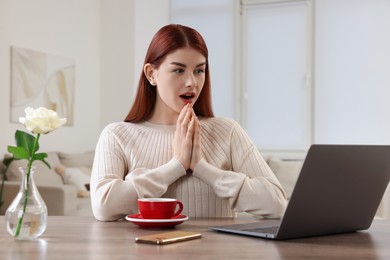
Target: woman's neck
(161, 118)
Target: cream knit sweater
(136, 160)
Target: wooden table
(85, 238)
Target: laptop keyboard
(266, 230)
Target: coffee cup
(159, 208)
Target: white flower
(41, 120)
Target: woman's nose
(191, 81)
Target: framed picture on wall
(39, 79)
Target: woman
(171, 145)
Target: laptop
(338, 190)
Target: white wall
(68, 28)
(117, 54)
(150, 15)
(127, 28)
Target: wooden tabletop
(85, 238)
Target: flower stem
(27, 180)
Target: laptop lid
(339, 190)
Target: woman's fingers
(187, 118)
(187, 140)
(191, 127)
(183, 136)
(182, 115)
(196, 155)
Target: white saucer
(156, 223)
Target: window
(264, 67)
(276, 77)
(260, 59)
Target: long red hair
(168, 39)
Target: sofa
(63, 187)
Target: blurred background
(292, 73)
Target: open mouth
(188, 96)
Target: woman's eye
(199, 71)
(179, 71)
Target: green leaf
(26, 140)
(41, 157)
(19, 152)
(47, 164)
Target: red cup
(159, 208)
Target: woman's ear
(148, 71)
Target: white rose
(41, 120)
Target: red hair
(169, 39)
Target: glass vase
(26, 217)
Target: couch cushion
(76, 177)
(42, 176)
(286, 171)
(77, 159)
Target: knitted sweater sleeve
(114, 190)
(250, 185)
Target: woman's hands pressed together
(186, 144)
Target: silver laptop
(338, 190)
